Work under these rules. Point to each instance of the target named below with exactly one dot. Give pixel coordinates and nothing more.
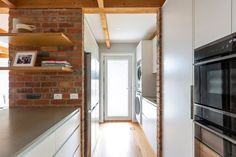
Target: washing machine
(138, 107)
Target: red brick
(58, 102)
(32, 84)
(49, 84)
(16, 84)
(42, 102)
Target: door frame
(102, 84)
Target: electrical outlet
(74, 96)
(57, 96)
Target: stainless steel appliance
(215, 95)
(91, 103)
(138, 107)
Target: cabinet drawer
(64, 131)
(45, 148)
(68, 149)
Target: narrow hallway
(122, 139)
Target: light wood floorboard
(122, 139)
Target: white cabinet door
(177, 54)
(149, 117)
(64, 131)
(45, 148)
(69, 148)
(139, 52)
(234, 15)
(212, 20)
(77, 153)
(154, 55)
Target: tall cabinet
(177, 56)
(212, 20)
(144, 52)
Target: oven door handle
(216, 133)
(216, 59)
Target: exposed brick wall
(37, 88)
(159, 86)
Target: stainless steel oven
(215, 92)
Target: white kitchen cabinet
(234, 16)
(69, 148)
(45, 148)
(61, 141)
(149, 119)
(64, 131)
(77, 153)
(90, 43)
(177, 56)
(212, 20)
(144, 51)
(154, 55)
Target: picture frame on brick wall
(25, 59)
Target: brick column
(37, 88)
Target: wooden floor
(122, 139)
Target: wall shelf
(35, 39)
(38, 69)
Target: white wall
(177, 52)
(121, 49)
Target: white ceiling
(123, 28)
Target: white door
(117, 88)
(177, 78)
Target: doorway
(117, 87)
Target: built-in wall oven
(215, 95)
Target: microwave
(215, 87)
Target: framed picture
(25, 59)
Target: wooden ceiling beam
(4, 10)
(147, 10)
(133, 3)
(8, 3)
(86, 3)
(104, 24)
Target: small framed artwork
(25, 59)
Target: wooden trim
(152, 35)
(148, 10)
(86, 3)
(4, 10)
(8, 3)
(104, 24)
